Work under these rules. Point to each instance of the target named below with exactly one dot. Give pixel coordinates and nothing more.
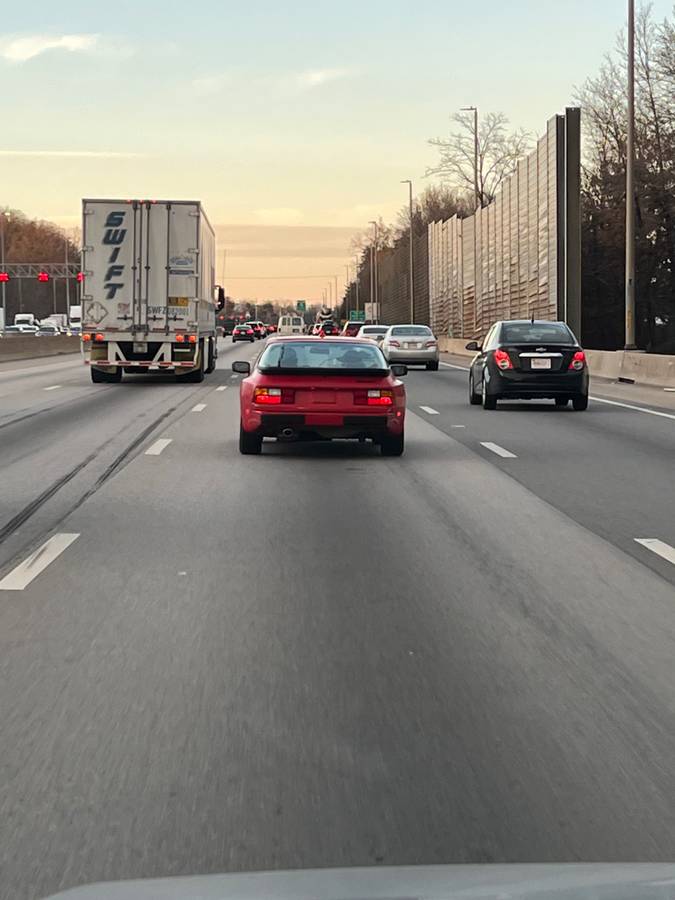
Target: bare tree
(498, 153)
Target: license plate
(540, 363)
(140, 347)
(411, 346)
(323, 396)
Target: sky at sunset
(293, 122)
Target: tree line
(602, 98)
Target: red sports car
(314, 388)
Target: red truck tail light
(578, 361)
(179, 338)
(192, 338)
(503, 359)
(99, 337)
(86, 337)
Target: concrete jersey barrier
(31, 347)
(643, 368)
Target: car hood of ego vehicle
(621, 881)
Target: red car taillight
(394, 344)
(578, 361)
(430, 344)
(273, 396)
(503, 359)
(374, 398)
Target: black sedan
(528, 360)
(243, 333)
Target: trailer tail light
(179, 338)
(578, 361)
(192, 338)
(503, 359)
(86, 337)
(99, 337)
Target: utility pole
(348, 289)
(2, 264)
(630, 185)
(411, 264)
(375, 293)
(474, 110)
(67, 282)
(335, 278)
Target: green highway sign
(357, 315)
(301, 306)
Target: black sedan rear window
(537, 333)
(326, 356)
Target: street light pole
(474, 110)
(411, 264)
(630, 185)
(356, 270)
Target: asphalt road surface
(322, 657)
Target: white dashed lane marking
(198, 407)
(500, 451)
(156, 448)
(20, 577)
(53, 387)
(430, 411)
(665, 551)
(223, 387)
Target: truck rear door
(141, 265)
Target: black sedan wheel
(489, 402)
(474, 398)
(580, 402)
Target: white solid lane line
(460, 368)
(428, 409)
(223, 387)
(198, 407)
(500, 451)
(53, 387)
(643, 409)
(659, 547)
(156, 448)
(20, 577)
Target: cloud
(21, 49)
(209, 84)
(316, 77)
(280, 216)
(74, 154)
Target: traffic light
(43, 276)
(80, 277)
(4, 276)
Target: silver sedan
(412, 345)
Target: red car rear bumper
(324, 424)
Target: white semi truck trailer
(147, 294)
